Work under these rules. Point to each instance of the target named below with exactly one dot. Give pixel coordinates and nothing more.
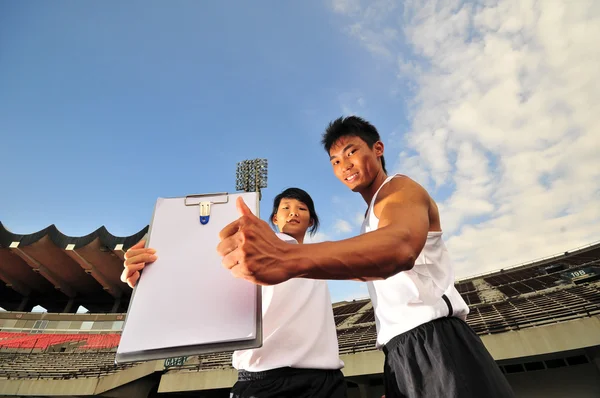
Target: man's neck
(370, 190)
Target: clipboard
(186, 303)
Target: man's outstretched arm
(251, 250)
(392, 248)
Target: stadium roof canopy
(60, 272)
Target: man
(429, 349)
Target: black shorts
(439, 359)
(290, 382)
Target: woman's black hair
(301, 196)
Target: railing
(59, 331)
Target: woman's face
(292, 217)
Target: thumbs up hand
(251, 250)
(243, 208)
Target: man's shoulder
(402, 185)
(402, 191)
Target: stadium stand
(59, 365)
(42, 342)
(541, 317)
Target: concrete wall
(558, 337)
(119, 385)
(192, 381)
(580, 381)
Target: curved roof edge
(535, 263)
(61, 240)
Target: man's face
(354, 163)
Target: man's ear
(275, 219)
(378, 148)
(311, 222)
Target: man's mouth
(293, 222)
(351, 177)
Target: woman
(299, 356)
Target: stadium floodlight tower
(251, 175)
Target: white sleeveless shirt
(412, 298)
(298, 328)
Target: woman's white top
(298, 328)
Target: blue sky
(106, 106)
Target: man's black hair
(351, 126)
(301, 196)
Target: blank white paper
(187, 297)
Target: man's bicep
(409, 216)
(406, 213)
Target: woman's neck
(299, 239)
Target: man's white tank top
(422, 294)
(298, 328)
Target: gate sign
(178, 361)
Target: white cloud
(345, 6)
(359, 218)
(351, 103)
(342, 227)
(368, 26)
(504, 107)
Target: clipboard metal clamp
(204, 205)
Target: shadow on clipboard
(186, 303)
